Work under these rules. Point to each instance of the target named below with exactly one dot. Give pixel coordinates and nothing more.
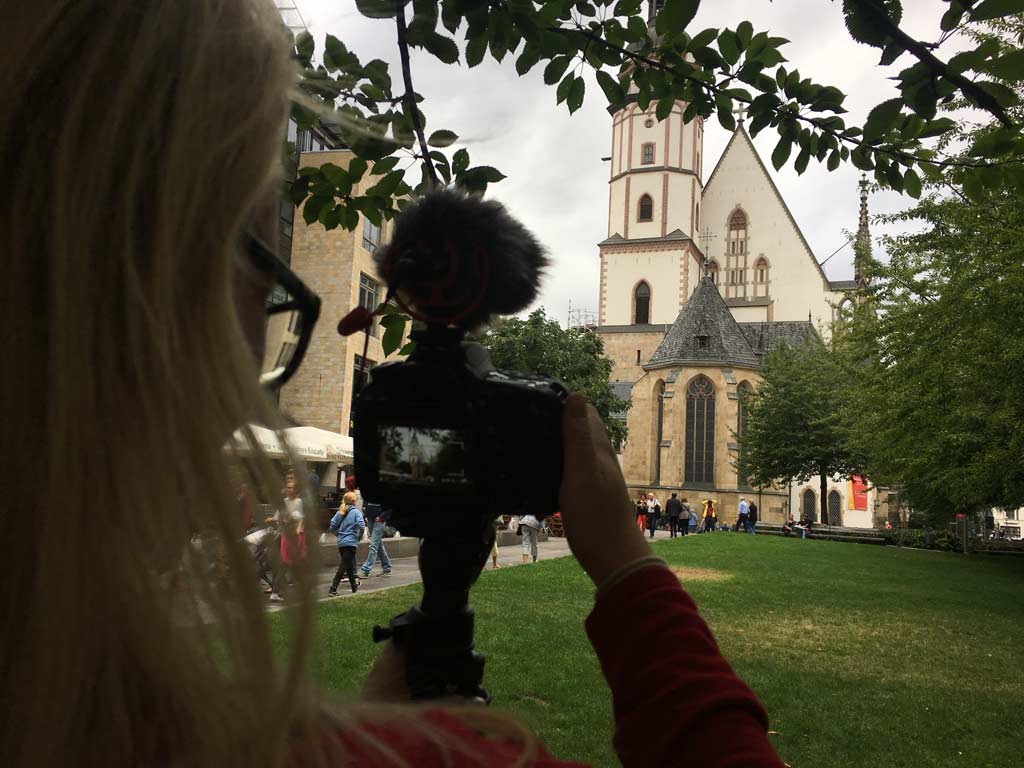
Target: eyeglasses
(292, 311)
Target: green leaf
(1005, 96)
(994, 9)
(387, 185)
(912, 183)
(576, 92)
(562, 92)
(781, 152)
(936, 127)
(881, 119)
(476, 179)
(527, 59)
(383, 166)
(801, 161)
(338, 177)
(442, 138)
(304, 45)
(460, 161)
(311, 210)
(393, 332)
(555, 69)
(729, 45)
(379, 9)
(1008, 67)
(745, 32)
(408, 349)
(675, 15)
(475, 50)
(703, 38)
(356, 169)
(833, 160)
(635, 30)
(664, 108)
(613, 90)
(442, 47)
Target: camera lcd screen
(422, 456)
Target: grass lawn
(863, 655)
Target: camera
(444, 436)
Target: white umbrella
(309, 443)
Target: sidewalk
(405, 570)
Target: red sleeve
(676, 699)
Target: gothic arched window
(713, 271)
(659, 433)
(736, 256)
(835, 507)
(700, 432)
(743, 392)
(809, 506)
(761, 276)
(645, 210)
(642, 303)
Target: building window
(368, 292)
(713, 271)
(835, 505)
(647, 154)
(809, 506)
(648, 123)
(360, 378)
(646, 209)
(1011, 514)
(641, 305)
(700, 432)
(761, 276)
(638, 357)
(736, 255)
(371, 235)
(743, 392)
(702, 342)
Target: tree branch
(409, 97)
(780, 110)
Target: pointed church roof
(706, 315)
(740, 134)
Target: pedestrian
(494, 553)
(752, 518)
(674, 508)
(789, 525)
(348, 523)
(376, 522)
(693, 517)
(710, 519)
(292, 527)
(743, 517)
(653, 513)
(641, 512)
(351, 486)
(529, 526)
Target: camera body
(444, 439)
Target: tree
(540, 345)
(660, 62)
(792, 429)
(934, 354)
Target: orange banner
(857, 498)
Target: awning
(309, 443)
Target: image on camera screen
(422, 456)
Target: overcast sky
(557, 182)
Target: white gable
(796, 284)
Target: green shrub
(921, 539)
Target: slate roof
(704, 314)
(624, 391)
(762, 337)
(676, 235)
(843, 285)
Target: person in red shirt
(141, 146)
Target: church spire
(862, 243)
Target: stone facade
(320, 393)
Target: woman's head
(349, 499)
(139, 140)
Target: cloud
(556, 181)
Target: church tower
(649, 260)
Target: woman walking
(349, 526)
(641, 512)
(291, 525)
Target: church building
(698, 281)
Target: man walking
(376, 519)
(743, 519)
(653, 513)
(674, 508)
(752, 518)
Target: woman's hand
(598, 515)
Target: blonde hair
(137, 138)
(349, 499)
